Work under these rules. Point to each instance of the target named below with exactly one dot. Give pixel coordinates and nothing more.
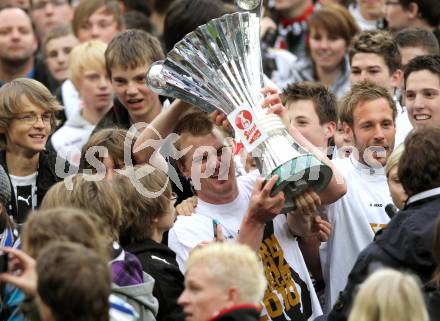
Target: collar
(365, 169)
(285, 22)
(422, 195)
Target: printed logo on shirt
(24, 202)
(376, 227)
(287, 296)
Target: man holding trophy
(218, 67)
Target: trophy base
(297, 175)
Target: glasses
(42, 4)
(31, 119)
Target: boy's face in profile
(131, 90)
(29, 129)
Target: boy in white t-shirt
(242, 210)
(370, 113)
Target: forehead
(14, 17)
(367, 60)
(26, 105)
(61, 42)
(302, 107)
(101, 13)
(213, 139)
(119, 71)
(372, 109)
(421, 79)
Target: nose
(132, 89)
(419, 102)
(104, 82)
(378, 133)
(183, 299)
(48, 9)
(39, 123)
(95, 31)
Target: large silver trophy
(218, 67)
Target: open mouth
(37, 136)
(422, 117)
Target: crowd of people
(117, 204)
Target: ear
(412, 10)
(347, 130)
(233, 296)
(396, 78)
(330, 129)
(3, 130)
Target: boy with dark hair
(312, 110)
(27, 118)
(422, 91)
(49, 14)
(61, 297)
(127, 58)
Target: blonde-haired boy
(88, 75)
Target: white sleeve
(182, 251)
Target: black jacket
(405, 244)
(244, 312)
(46, 177)
(159, 261)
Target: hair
(74, 282)
(416, 173)
(361, 92)
(86, 8)
(138, 209)
(62, 30)
(336, 20)
(185, 16)
(194, 123)
(394, 158)
(11, 101)
(428, 10)
(232, 265)
(95, 197)
(323, 100)
(134, 19)
(418, 37)
(113, 140)
(62, 224)
(86, 56)
(429, 63)
(131, 49)
(389, 295)
(378, 42)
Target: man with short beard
(18, 45)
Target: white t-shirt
(25, 190)
(355, 218)
(290, 294)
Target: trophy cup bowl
(218, 67)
